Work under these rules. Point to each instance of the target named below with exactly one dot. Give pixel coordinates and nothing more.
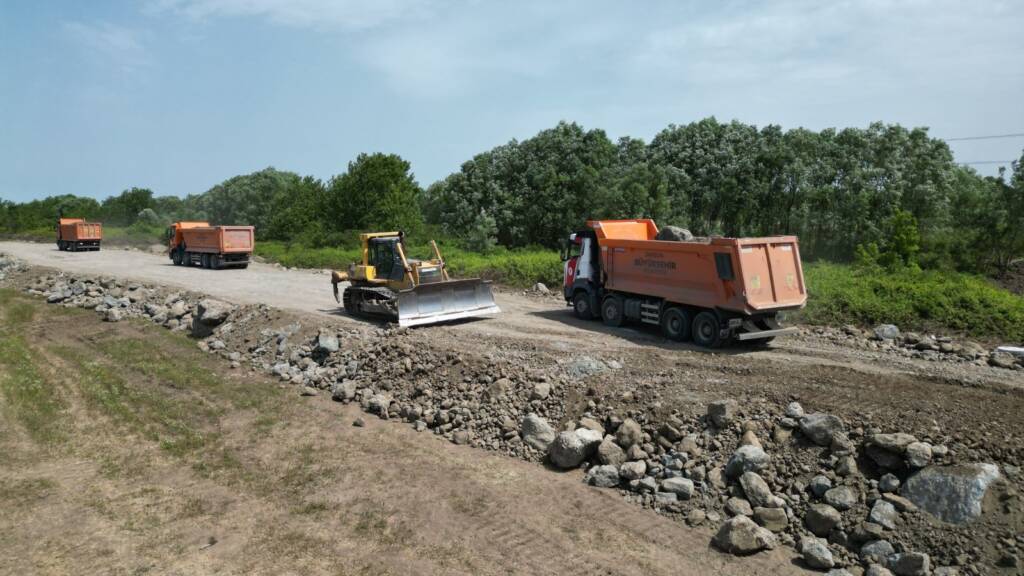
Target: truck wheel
(205, 260)
(581, 306)
(611, 311)
(176, 258)
(706, 330)
(74, 247)
(215, 261)
(675, 324)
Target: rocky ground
(866, 451)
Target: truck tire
(706, 330)
(582, 306)
(612, 311)
(215, 261)
(205, 260)
(176, 258)
(675, 324)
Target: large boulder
(741, 536)
(681, 487)
(721, 413)
(606, 476)
(951, 493)
(910, 564)
(536, 432)
(674, 234)
(821, 428)
(746, 459)
(209, 314)
(608, 452)
(568, 450)
(327, 342)
(886, 332)
(820, 519)
(757, 490)
(629, 433)
(816, 553)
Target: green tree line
(883, 195)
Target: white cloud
(319, 14)
(112, 44)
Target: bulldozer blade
(443, 301)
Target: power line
(988, 162)
(994, 136)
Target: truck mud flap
(444, 301)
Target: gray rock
(536, 432)
(721, 413)
(951, 493)
(756, 490)
(820, 428)
(567, 450)
(113, 315)
(327, 342)
(918, 454)
(674, 234)
(541, 391)
(605, 476)
(209, 314)
(888, 483)
(741, 536)
(877, 570)
(344, 391)
(591, 440)
(608, 452)
(886, 332)
(794, 410)
(910, 564)
(876, 551)
(178, 309)
(820, 519)
(896, 442)
(633, 470)
(629, 433)
(815, 553)
(736, 506)
(884, 514)
(746, 459)
(819, 485)
(681, 487)
(774, 519)
(539, 287)
(841, 497)
(665, 497)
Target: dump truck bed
(745, 275)
(78, 230)
(219, 239)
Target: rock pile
(889, 338)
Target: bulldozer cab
(383, 255)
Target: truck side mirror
(564, 253)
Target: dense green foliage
(895, 188)
(912, 299)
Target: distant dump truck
(198, 243)
(712, 290)
(74, 234)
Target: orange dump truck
(198, 243)
(712, 290)
(76, 234)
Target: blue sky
(178, 95)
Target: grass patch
(919, 300)
(173, 419)
(30, 398)
(25, 490)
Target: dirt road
(542, 321)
